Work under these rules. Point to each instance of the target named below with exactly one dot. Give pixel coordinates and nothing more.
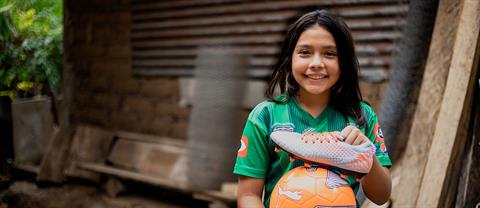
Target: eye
(331, 54)
(304, 52)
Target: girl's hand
(352, 135)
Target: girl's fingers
(352, 136)
(339, 136)
(346, 131)
(359, 140)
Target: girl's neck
(313, 104)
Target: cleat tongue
(292, 159)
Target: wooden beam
(122, 173)
(141, 153)
(410, 166)
(468, 188)
(54, 160)
(450, 130)
(90, 144)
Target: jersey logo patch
(283, 127)
(383, 148)
(242, 152)
(378, 133)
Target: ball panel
(311, 187)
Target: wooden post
(468, 188)
(54, 160)
(409, 168)
(450, 131)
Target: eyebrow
(309, 46)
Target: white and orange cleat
(326, 148)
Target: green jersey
(257, 158)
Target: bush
(31, 52)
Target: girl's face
(315, 62)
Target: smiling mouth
(316, 77)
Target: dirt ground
(26, 194)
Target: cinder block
(123, 17)
(117, 70)
(160, 126)
(165, 88)
(97, 116)
(126, 86)
(125, 121)
(182, 113)
(118, 51)
(98, 84)
(163, 108)
(179, 129)
(112, 35)
(137, 104)
(105, 101)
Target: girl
(317, 74)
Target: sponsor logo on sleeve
(383, 148)
(378, 133)
(242, 152)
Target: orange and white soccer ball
(313, 187)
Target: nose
(317, 62)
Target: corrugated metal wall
(166, 34)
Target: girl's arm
(249, 193)
(377, 184)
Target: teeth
(315, 77)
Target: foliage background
(31, 51)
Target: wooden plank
(282, 17)
(450, 130)
(207, 195)
(190, 3)
(357, 11)
(141, 154)
(152, 180)
(212, 30)
(149, 138)
(90, 144)
(254, 27)
(29, 168)
(251, 39)
(237, 39)
(176, 4)
(468, 188)
(259, 61)
(371, 74)
(362, 49)
(54, 161)
(216, 196)
(410, 167)
(192, 52)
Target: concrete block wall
(106, 93)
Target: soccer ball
(312, 187)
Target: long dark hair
(345, 95)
